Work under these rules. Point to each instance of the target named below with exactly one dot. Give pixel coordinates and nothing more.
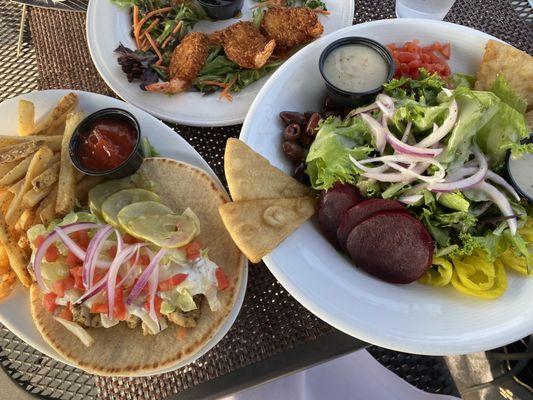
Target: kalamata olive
(312, 123)
(308, 114)
(300, 175)
(292, 117)
(292, 132)
(293, 150)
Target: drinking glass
(430, 9)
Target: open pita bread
(120, 351)
(251, 176)
(259, 226)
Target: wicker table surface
(273, 334)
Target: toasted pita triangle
(259, 226)
(250, 176)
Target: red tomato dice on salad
(76, 273)
(157, 304)
(222, 279)
(62, 285)
(171, 282)
(193, 250)
(411, 56)
(51, 254)
(65, 313)
(49, 301)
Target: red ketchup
(106, 143)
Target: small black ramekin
(350, 99)
(520, 191)
(228, 9)
(128, 166)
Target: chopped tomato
(73, 260)
(98, 276)
(51, 253)
(222, 279)
(144, 260)
(193, 250)
(83, 239)
(446, 51)
(65, 313)
(119, 311)
(411, 56)
(49, 301)
(171, 282)
(76, 273)
(157, 304)
(112, 251)
(129, 239)
(99, 308)
(39, 240)
(62, 285)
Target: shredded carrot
(215, 83)
(135, 25)
(154, 46)
(137, 31)
(225, 93)
(150, 27)
(182, 333)
(176, 29)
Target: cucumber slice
(100, 193)
(142, 208)
(123, 198)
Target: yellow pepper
(511, 260)
(475, 276)
(440, 273)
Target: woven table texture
(270, 321)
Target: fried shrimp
(290, 27)
(244, 44)
(187, 60)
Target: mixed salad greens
(439, 148)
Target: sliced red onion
(381, 168)
(361, 110)
(413, 173)
(386, 105)
(93, 252)
(143, 278)
(407, 132)
(50, 239)
(380, 135)
(503, 204)
(405, 148)
(467, 182)
(119, 260)
(397, 176)
(444, 129)
(416, 189)
(97, 288)
(491, 176)
(411, 199)
(132, 266)
(152, 289)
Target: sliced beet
(392, 246)
(359, 212)
(332, 205)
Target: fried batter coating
(187, 60)
(290, 27)
(244, 44)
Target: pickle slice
(123, 198)
(100, 193)
(169, 230)
(142, 208)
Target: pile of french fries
(38, 182)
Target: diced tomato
(129, 239)
(144, 260)
(411, 56)
(222, 279)
(112, 251)
(157, 304)
(193, 250)
(119, 311)
(406, 57)
(76, 273)
(51, 253)
(49, 301)
(99, 308)
(83, 240)
(39, 240)
(73, 260)
(65, 313)
(59, 287)
(446, 51)
(171, 282)
(98, 276)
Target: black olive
(300, 175)
(292, 117)
(312, 124)
(293, 150)
(292, 132)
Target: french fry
(8, 166)
(26, 220)
(7, 198)
(15, 188)
(46, 209)
(17, 172)
(58, 128)
(7, 283)
(16, 256)
(86, 184)
(18, 151)
(26, 117)
(66, 191)
(47, 178)
(24, 242)
(54, 142)
(32, 196)
(54, 117)
(4, 261)
(37, 165)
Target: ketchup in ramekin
(106, 143)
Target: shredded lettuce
(424, 90)
(501, 88)
(458, 80)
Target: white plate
(15, 309)
(108, 25)
(412, 318)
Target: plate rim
(90, 29)
(230, 318)
(411, 346)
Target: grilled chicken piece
(132, 321)
(187, 60)
(187, 319)
(244, 44)
(291, 27)
(81, 315)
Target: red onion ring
(143, 278)
(119, 260)
(93, 251)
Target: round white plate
(15, 309)
(412, 318)
(108, 25)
